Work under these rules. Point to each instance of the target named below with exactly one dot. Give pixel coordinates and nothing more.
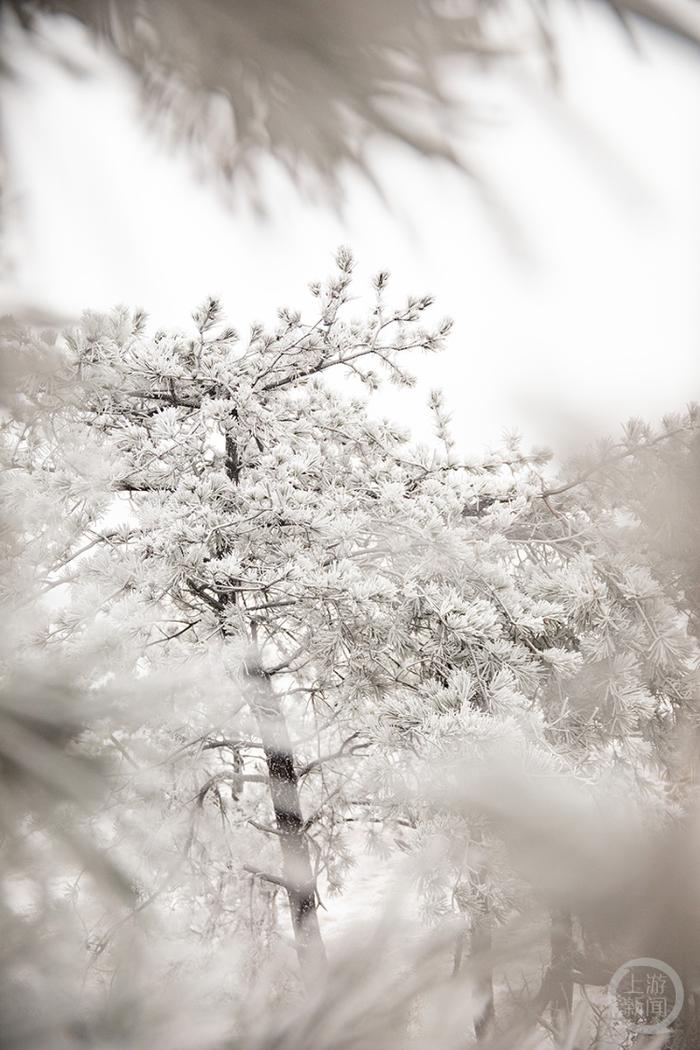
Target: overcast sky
(575, 296)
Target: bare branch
(236, 744)
(235, 779)
(263, 827)
(276, 880)
(346, 750)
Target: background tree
(551, 617)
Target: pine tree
(307, 613)
(257, 501)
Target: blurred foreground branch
(310, 83)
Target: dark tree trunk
(686, 1030)
(480, 945)
(298, 875)
(561, 970)
(299, 878)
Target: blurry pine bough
(254, 637)
(311, 83)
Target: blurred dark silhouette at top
(308, 82)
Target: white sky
(590, 313)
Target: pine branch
(625, 453)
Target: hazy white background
(575, 291)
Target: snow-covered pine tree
(547, 625)
(259, 503)
(322, 591)
(637, 500)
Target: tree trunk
(561, 970)
(298, 874)
(480, 944)
(686, 1030)
(299, 878)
